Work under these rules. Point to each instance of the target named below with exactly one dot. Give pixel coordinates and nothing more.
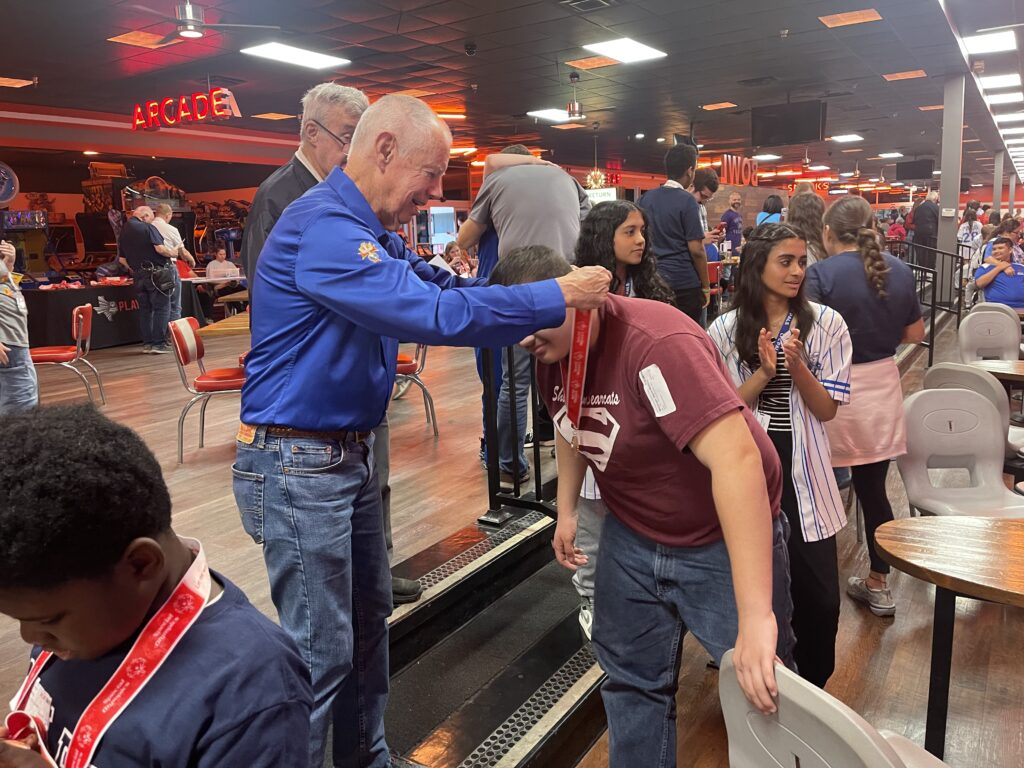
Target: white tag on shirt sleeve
(657, 391)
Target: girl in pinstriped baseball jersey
(790, 360)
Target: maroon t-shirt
(655, 380)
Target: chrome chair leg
(99, 381)
(79, 374)
(181, 425)
(202, 421)
(428, 403)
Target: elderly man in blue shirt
(337, 289)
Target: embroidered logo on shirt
(8, 292)
(368, 252)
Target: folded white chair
(960, 376)
(810, 728)
(1006, 309)
(991, 335)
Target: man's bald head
(398, 155)
(410, 120)
(144, 213)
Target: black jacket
(285, 185)
(926, 220)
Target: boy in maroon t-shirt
(690, 478)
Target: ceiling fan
(190, 21)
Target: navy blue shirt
(876, 324)
(337, 291)
(136, 244)
(234, 692)
(673, 217)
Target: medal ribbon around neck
(575, 374)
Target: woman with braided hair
(876, 295)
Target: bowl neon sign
(199, 107)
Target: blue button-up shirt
(337, 291)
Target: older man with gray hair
(141, 248)
(329, 116)
(337, 287)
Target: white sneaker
(878, 600)
(586, 617)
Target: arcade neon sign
(199, 107)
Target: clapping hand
(793, 350)
(766, 353)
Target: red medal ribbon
(154, 644)
(575, 374)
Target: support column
(1013, 189)
(997, 183)
(949, 185)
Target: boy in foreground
(695, 541)
(142, 655)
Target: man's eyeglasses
(343, 140)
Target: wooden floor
(439, 487)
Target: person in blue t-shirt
(1003, 281)
(676, 234)
(771, 211)
(84, 565)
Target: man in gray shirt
(18, 387)
(528, 202)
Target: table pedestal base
(938, 680)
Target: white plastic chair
(1006, 309)
(988, 336)
(810, 729)
(956, 429)
(959, 376)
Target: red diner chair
(69, 356)
(188, 349)
(407, 372)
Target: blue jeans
(19, 390)
(175, 308)
(647, 597)
(315, 507)
(154, 309)
(521, 372)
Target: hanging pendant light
(596, 178)
(573, 109)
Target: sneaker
(878, 600)
(160, 349)
(586, 616)
(528, 440)
(483, 454)
(147, 349)
(506, 483)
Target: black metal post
(496, 514)
(938, 681)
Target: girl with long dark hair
(771, 211)
(804, 215)
(875, 294)
(613, 236)
(790, 361)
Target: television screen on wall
(781, 124)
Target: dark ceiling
(749, 52)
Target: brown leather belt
(247, 434)
(341, 436)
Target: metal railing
(499, 502)
(946, 285)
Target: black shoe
(528, 440)
(405, 590)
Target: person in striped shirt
(790, 361)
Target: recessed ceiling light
(625, 50)
(1005, 98)
(13, 82)
(718, 105)
(850, 17)
(931, 107)
(273, 116)
(767, 157)
(1008, 141)
(292, 55)
(660, 139)
(638, 136)
(936, 173)
(970, 141)
(700, 146)
(890, 155)
(90, 152)
(846, 138)
(849, 151)
(553, 115)
(846, 174)
(462, 150)
(451, 115)
(1010, 131)
(999, 81)
(788, 173)
(840, 191)
(1010, 117)
(898, 184)
(911, 74)
(976, 185)
(991, 43)
(817, 168)
(478, 163)
(873, 180)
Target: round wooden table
(976, 557)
